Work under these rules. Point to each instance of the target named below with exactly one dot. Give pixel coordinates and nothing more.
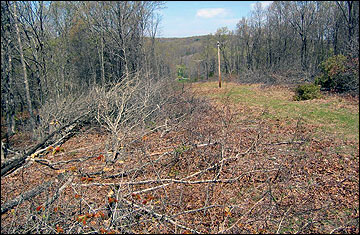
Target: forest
(108, 128)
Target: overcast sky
(191, 18)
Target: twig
(126, 173)
(277, 232)
(195, 210)
(286, 142)
(306, 225)
(345, 225)
(165, 217)
(248, 212)
(45, 162)
(48, 163)
(73, 160)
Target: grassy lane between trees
(331, 114)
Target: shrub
(307, 92)
(181, 71)
(339, 73)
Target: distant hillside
(184, 46)
(185, 51)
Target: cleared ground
(246, 159)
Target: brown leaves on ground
(228, 169)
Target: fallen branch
(197, 173)
(160, 216)
(126, 173)
(25, 196)
(57, 193)
(286, 142)
(282, 219)
(155, 181)
(248, 212)
(46, 162)
(195, 210)
(51, 165)
(10, 166)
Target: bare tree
(350, 13)
(26, 82)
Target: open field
(246, 159)
(332, 114)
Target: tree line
(55, 52)
(288, 39)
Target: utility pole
(218, 45)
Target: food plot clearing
(246, 159)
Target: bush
(307, 92)
(340, 74)
(181, 71)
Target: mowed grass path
(329, 115)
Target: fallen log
(59, 191)
(10, 166)
(25, 196)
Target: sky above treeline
(193, 18)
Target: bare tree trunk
(27, 90)
(8, 85)
(219, 65)
(10, 112)
(6, 72)
(304, 53)
(207, 70)
(8, 98)
(335, 38)
(102, 59)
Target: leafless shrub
(289, 76)
(134, 102)
(61, 111)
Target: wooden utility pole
(218, 45)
